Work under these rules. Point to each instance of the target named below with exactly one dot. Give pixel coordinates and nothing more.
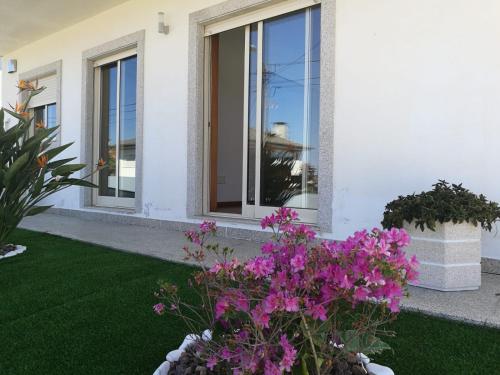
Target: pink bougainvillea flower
(212, 362)
(260, 267)
(268, 247)
(298, 263)
(271, 369)
(159, 308)
(208, 227)
(361, 294)
(225, 353)
(260, 318)
(289, 354)
(221, 306)
(317, 312)
(216, 268)
(273, 302)
(240, 301)
(193, 237)
(291, 304)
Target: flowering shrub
(302, 304)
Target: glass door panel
(289, 126)
(280, 112)
(107, 130)
(128, 85)
(116, 84)
(252, 108)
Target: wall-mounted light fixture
(162, 27)
(11, 66)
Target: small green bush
(445, 203)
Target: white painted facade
(417, 99)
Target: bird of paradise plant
(29, 171)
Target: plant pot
(450, 256)
(19, 250)
(174, 355)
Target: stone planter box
(450, 257)
(19, 250)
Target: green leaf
(37, 188)
(10, 136)
(17, 115)
(65, 170)
(366, 343)
(303, 365)
(16, 167)
(76, 182)
(37, 210)
(53, 152)
(58, 163)
(2, 115)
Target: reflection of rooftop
(275, 141)
(128, 142)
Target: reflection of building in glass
(126, 167)
(283, 169)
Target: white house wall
(417, 99)
(165, 92)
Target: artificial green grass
(426, 345)
(68, 307)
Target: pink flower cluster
(262, 302)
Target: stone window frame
(54, 68)
(134, 40)
(196, 65)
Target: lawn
(68, 307)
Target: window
(43, 107)
(46, 115)
(263, 82)
(115, 115)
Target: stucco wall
(417, 99)
(417, 96)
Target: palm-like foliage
(28, 171)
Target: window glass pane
(252, 104)
(39, 115)
(311, 149)
(289, 147)
(107, 131)
(51, 116)
(128, 84)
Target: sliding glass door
(280, 107)
(115, 130)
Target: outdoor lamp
(162, 27)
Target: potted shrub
(303, 306)
(445, 225)
(29, 170)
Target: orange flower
(40, 125)
(26, 85)
(20, 109)
(42, 161)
